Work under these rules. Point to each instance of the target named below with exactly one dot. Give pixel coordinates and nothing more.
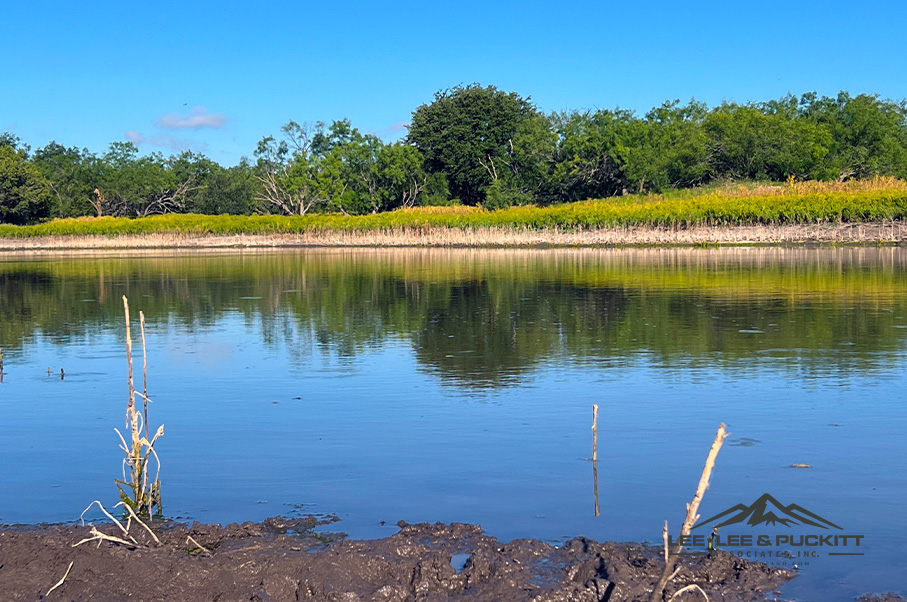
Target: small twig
(107, 514)
(135, 517)
(98, 536)
(198, 545)
(690, 588)
(60, 582)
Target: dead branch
(691, 517)
(275, 193)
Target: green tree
(24, 195)
(72, 176)
(528, 161)
(138, 186)
(763, 143)
(227, 191)
(402, 178)
(285, 170)
(668, 149)
(591, 151)
(467, 133)
(868, 135)
(11, 140)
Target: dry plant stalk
(691, 518)
(144, 372)
(190, 539)
(60, 582)
(137, 491)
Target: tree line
(473, 145)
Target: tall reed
(137, 490)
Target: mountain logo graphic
(768, 511)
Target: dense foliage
(856, 202)
(474, 145)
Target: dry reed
(138, 492)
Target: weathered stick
(189, 539)
(99, 537)
(595, 485)
(692, 514)
(691, 588)
(595, 432)
(136, 518)
(60, 582)
(107, 514)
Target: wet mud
(287, 560)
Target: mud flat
(286, 560)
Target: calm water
(432, 385)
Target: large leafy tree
(667, 149)
(136, 186)
(226, 190)
(468, 133)
(24, 195)
(764, 143)
(592, 150)
(868, 134)
(338, 169)
(72, 176)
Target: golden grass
(794, 187)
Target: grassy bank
(692, 216)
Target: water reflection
(487, 318)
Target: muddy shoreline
(287, 560)
(489, 237)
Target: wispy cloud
(169, 142)
(394, 129)
(196, 119)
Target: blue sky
(217, 77)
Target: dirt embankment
(863, 233)
(285, 561)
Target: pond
(458, 385)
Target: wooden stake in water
(595, 456)
(595, 486)
(595, 432)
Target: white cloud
(168, 142)
(394, 130)
(196, 119)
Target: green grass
(760, 205)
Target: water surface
(457, 385)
